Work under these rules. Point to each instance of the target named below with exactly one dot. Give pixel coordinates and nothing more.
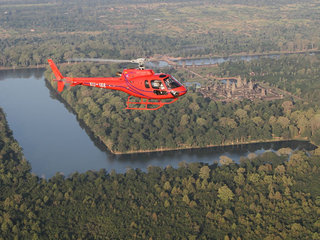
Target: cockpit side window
(157, 84)
(146, 84)
(171, 83)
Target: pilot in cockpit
(170, 83)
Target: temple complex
(235, 88)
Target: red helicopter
(154, 89)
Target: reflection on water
(53, 140)
(209, 155)
(21, 73)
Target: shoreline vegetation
(20, 67)
(212, 146)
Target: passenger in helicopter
(157, 84)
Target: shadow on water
(213, 153)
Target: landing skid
(147, 104)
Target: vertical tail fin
(55, 70)
(57, 74)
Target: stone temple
(235, 88)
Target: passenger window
(146, 84)
(157, 84)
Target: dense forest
(264, 196)
(33, 31)
(195, 121)
(268, 196)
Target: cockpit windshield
(171, 82)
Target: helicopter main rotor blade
(97, 60)
(152, 62)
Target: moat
(53, 140)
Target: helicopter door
(159, 87)
(146, 84)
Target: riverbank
(212, 146)
(42, 66)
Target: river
(53, 140)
